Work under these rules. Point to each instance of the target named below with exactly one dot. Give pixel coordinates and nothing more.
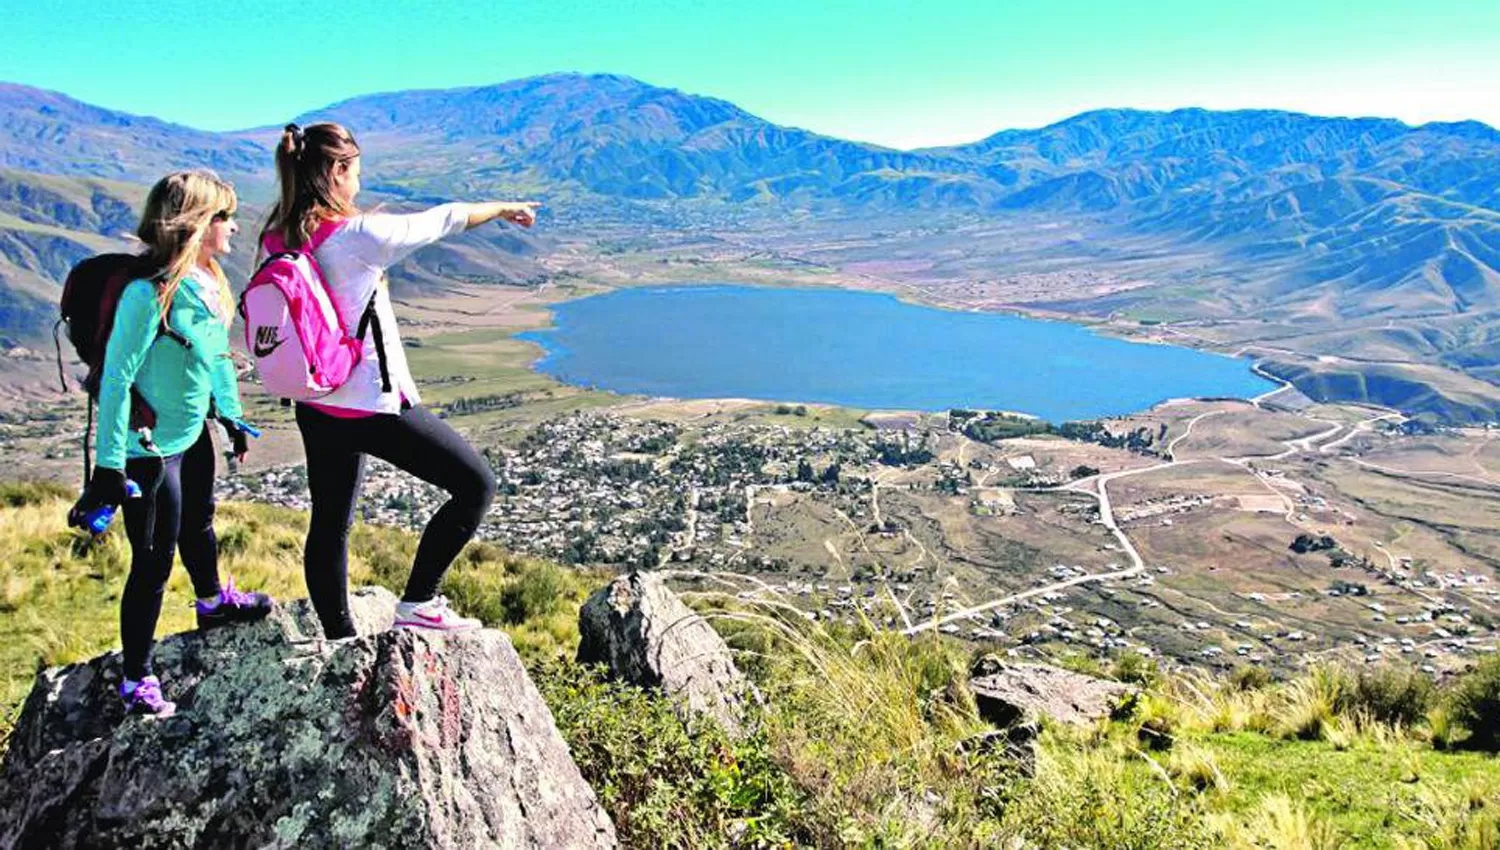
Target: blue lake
(866, 350)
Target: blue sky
(903, 73)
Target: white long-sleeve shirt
(354, 260)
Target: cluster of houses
(598, 487)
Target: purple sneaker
(144, 697)
(232, 606)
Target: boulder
(284, 739)
(1021, 693)
(638, 628)
(1016, 744)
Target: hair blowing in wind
(178, 211)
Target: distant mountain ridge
(614, 135)
(51, 133)
(1328, 219)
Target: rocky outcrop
(1024, 693)
(638, 628)
(282, 739)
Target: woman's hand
(522, 213)
(239, 434)
(105, 487)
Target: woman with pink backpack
(375, 408)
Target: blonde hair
(306, 160)
(178, 212)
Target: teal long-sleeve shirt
(179, 382)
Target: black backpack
(90, 298)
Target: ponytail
(306, 161)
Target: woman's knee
(198, 519)
(149, 570)
(476, 488)
(485, 486)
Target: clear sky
(895, 72)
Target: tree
(804, 471)
(1476, 704)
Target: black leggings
(416, 442)
(174, 514)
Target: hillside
(51, 133)
(48, 223)
(616, 136)
(868, 737)
(1308, 226)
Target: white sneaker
(433, 614)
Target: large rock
(283, 739)
(646, 635)
(1022, 693)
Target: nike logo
(267, 340)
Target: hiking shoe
(232, 606)
(144, 697)
(433, 614)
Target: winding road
(1100, 492)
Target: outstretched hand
(522, 213)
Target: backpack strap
(271, 258)
(319, 236)
(88, 437)
(370, 320)
(62, 377)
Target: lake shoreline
(1057, 352)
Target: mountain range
(1323, 220)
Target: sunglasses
(223, 215)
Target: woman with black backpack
(376, 410)
(168, 347)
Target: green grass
(489, 357)
(817, 416)
(1368, 791)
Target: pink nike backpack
(301, 347)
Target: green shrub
(536, 593)
(1475, 702)
(1078, 662)
(1249, 677)
(18, 494)
(666, 781)
(1310, 704)
(1441, 727)
(1198, 768)
(1392, 695)
(1136, 669)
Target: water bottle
(98, 519)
